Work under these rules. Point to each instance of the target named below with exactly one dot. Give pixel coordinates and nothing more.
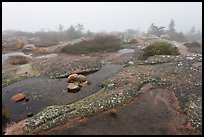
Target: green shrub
(98, 43)
(160, 48)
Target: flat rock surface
(153, 113)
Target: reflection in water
(124, 51)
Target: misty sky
(100, 16)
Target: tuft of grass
(113, 112)
(4, 112)
(83, 121)
(98, 43)
(160, 48)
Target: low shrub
(41, 50)
(193, 44)
(98, 43)
(18, 60)
(133, 41)
(160, 48)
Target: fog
(32, 16)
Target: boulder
(18, 97)
(131, 63)
(76, 78)
(72, 78)
(73, 87)
(75, 82)
(112, 85)
(29, 47)
(81, 78)
(83, 84)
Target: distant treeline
(172, 34)
(70, 33)
(78, 30)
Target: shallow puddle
(44, 92)
(124, 51)
(47, 56)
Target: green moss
(9, 76)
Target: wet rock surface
(177, 76)
(158, 104)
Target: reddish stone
(73, 87)
(18, 97)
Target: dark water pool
(44, 92)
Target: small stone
(131, 63)
(180, 64)
(81, 78)
(189, 58)
(83, 84)
(26, 99)
(73, 87)
(30, 114)
(64, 91)
(18, 97)
(125, 65)
(72, 77)
(111, 85)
